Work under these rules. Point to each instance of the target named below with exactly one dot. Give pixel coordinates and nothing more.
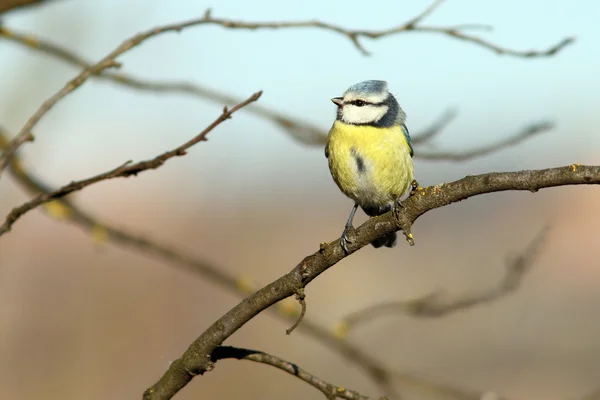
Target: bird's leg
(344, 239)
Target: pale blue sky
(299, 70)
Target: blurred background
(84, 318)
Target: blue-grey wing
(407, 136)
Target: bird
(370, 153)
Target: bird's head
(369, 103)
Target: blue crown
(368, 87)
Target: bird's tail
(388, 240)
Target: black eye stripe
(360, 103)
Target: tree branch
(439, 304)
(196, 359)
(108, 61)
(122, 171)
(330, 391)
(595, 395)
(509, 141)
(65, 210)
(9, 5)
(300, 131)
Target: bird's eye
(359, 103)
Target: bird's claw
(345, 240)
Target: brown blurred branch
(330, 391)
(8, 5)
(439, 304)
(520, 137)
(123, 171)
(195, 359)
(595, 395)
(301, 131)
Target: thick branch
(66, 210)
(196, 359)
(439, 304)
(330, 391)
(122, 171)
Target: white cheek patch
(352, 114)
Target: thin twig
(439, 304)
(122, 171)
(300, 296)
(424, 14)
(9, 5)
(329, 390)
(196, 359)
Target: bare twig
(520, 137)
(424, 14)
(122, 171)
(301, 297)
(410, 26)
(302, 131)
(196, 359)
(330, 391)
(439, 304)
(8, 5)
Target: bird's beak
(338, 101)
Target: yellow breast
(370, 165)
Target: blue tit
(370, 152)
